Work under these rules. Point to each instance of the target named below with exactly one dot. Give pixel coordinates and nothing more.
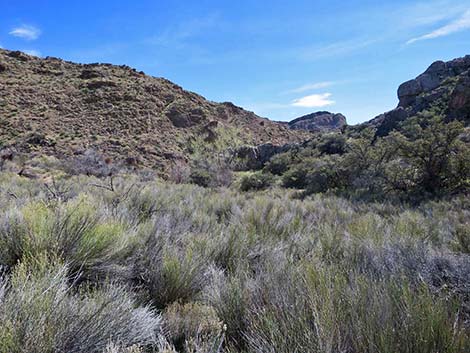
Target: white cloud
(314, 101)
(32, 52)
(460, 24)
(310, 87)
(26, 32)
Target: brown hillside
(53, 107)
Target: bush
(39, 313)
(295, 177)
(256, 181)
(201, 177)
(73, 232)
(279, 163)
(192, 324)
(332, 144)
(169, 273)
(90, 163)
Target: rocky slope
(53, 107)
(444, 88)
(319, 122)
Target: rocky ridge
(444, 87)
(319, 122)
(49, 106)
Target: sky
(280, 59)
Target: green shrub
(295, 177)
(191, 325)
(169, 274)
(200, 177)
(256, 181)
(279, 163)
(73, 232)
(332, 144)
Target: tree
(433, 151)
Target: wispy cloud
(314, 101)
(335, 49)
(177, 35)
(26, 32)
(32, 52)
(460, 24)
(310, 87)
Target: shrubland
(426, 158)
(154, 266)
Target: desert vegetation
(153, 266)
(425, 158)
(136, 217)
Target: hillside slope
(53, 107)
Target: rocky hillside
(319, 122)
(53, 107)
(444, 88)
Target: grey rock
(408, 91)
(183, 116)
(319, 122)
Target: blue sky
(281, 59)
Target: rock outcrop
(443, 87)
(319, 122)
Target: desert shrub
(432, 148)
(325, 273)
(213, 157)
(39, 313)
(230, 297)
(326, 174)
(168, 272)
(179, 172)
(201, 177)
(462, 242)
(91, 162)
(256, 181)
(113, 348)
(320, 310)
(73, 232)
(140, 205)
(296, 177)
(279, 163)
(332, 144)
(192, 324)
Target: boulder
(183, 116)
(408, 91)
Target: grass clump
(73, 232)
(41, 313)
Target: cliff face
(319, 122)
(53, 107)
(444, 87)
